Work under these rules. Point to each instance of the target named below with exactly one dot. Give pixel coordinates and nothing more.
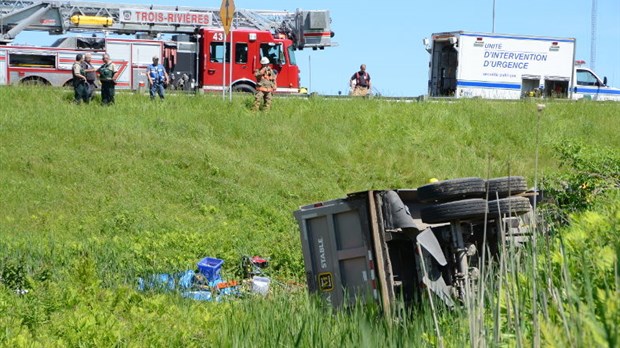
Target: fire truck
(189, 41)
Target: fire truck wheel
(509, 206)
(35, 81)
(467, 209)
(506, 186)
(449, 190)
(244, 88)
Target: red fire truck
(190, 42)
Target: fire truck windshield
(273, 52)
(291, 55)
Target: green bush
(587, 172)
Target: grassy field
(94, 197)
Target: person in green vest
(107, 76)
(80, 86)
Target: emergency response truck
(195, 56)
(503, 66)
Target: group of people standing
(85, 79)
(85, 76)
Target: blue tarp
(187, 284)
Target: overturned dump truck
(398, 244)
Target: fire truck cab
(200, 61)
(249, 46)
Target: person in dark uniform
(107, 76)
(80, 86)
(91, 75)
(360, 82)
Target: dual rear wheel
(463, 199)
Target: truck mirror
(605, 81)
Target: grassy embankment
(94, 197)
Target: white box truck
(503, 66)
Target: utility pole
(493, 27)
(593, 36)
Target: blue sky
(387, 37)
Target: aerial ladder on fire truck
(192, 56)
(307, 29)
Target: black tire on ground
(506, 186)
(447, 190)
(509, 206)
(244, 88)
(467, 209)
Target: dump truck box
(364, 247)
(403, 244)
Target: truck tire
(467, 209)
(506, 186)
(448, 190)
(34, 81)
(244, 88)
(509, 206)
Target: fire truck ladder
(305, 28)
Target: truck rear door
(443, 66)
(337, 249)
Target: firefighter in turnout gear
(266, 84)
(360, 82)
(80, 86)
(107, 76)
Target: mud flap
(430, 243)
(431, 275)
(439, 287)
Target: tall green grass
(93, 197)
